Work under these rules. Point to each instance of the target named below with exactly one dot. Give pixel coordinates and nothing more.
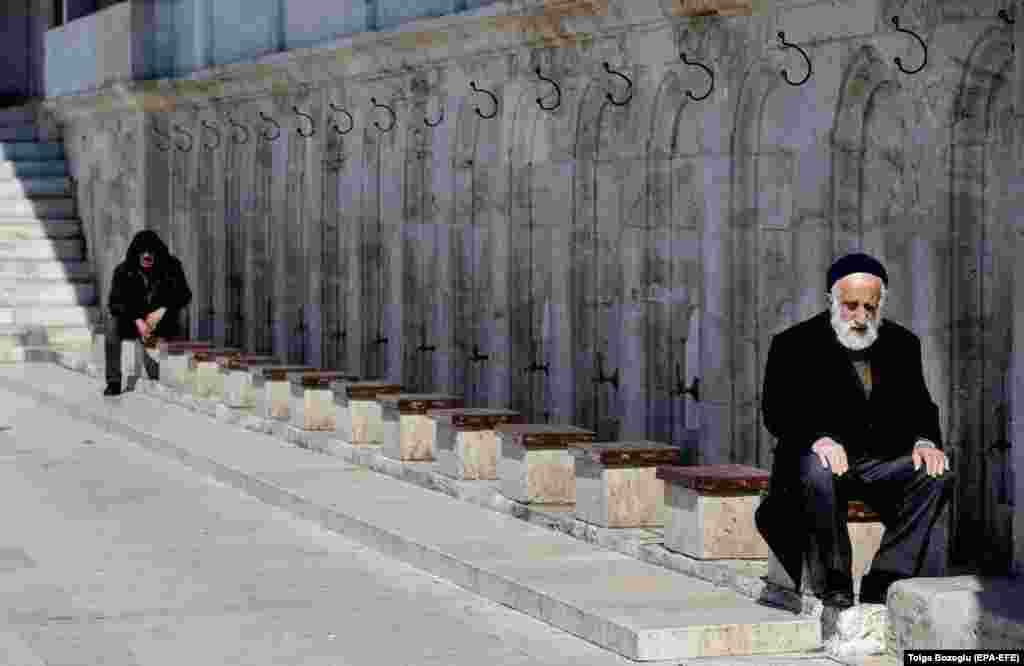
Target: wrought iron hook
(494, 98)
(899, 62)
(351, 121)
(165, 137)
(245, 129)
(210, 126)
(707, 69)
(181, 130)
(558, 92)
(477, 356)
(1003, 14)
(312, 123)
(390, 110)
(629, 96)
(268, 119)
(785, 74)
(437, 122)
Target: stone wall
(656, 243)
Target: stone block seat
(175, 358)
(358, 411)
(238, 387)
(617, 484)
(272, 388)
(535, 465)
(312, 401)
(207, 381)
(865, 527)
(406, 430)
(710, 510)
(467, 445)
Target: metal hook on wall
(437, 122)
(558, 92)
(376, 123)
(629, 96)
(312, 123)
(785, 74)
(899, 62)
(1003, 14)
(245, 129)
(268, 119)
(351, 121)
(494, 98)
(210, 126)
(181, 130)
(689, 93)
(165, 137)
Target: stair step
(57, 249)
(63, 207)
(16, 115)
(56, 315)
(25, 229)
(17, 132)
(31, 151)
(46, 268)
(27, 292)
(17, 342)
(27, 169)
(35, 186)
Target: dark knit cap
(858, 262)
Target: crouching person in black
(147, 294)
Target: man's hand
(143, 328)
(935, 461)
(832, 454)
(154, 317)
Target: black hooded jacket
(132, 298)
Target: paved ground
(112, 555)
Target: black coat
(811, 390)
(131, 299)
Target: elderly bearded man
(845, 396)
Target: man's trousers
(908, 501)
(112, 345)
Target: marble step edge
(645, 544)
(647, 644)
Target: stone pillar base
(713, 526)
(312, 408)
(472, 456)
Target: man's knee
(816, 477)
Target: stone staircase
(48, 295)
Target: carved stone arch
(673, 269)
(756, 278)
(982, 199)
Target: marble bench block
(535, 464)
(358, 412)
(407, 432)
(207, 381)
(273, 389)
(312, 401)
(711, 510)
(175, 363)
(865, 529)
(467, 446)
(617, 485)
(238, 387)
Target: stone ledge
(961, 612)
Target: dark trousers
(909, 503)
(116, 331)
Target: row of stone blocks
(706, 511)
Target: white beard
(851, 339)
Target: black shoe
(838, 598)
(113, 388)
(874, 587)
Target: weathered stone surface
(238, 388)
(864, 537)
(619, 496)
(312, 408)
(207, 381)
(545, 476)
(727, 478)
(273, 400)
(408, 436)
(467, 454)
(712, 526)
